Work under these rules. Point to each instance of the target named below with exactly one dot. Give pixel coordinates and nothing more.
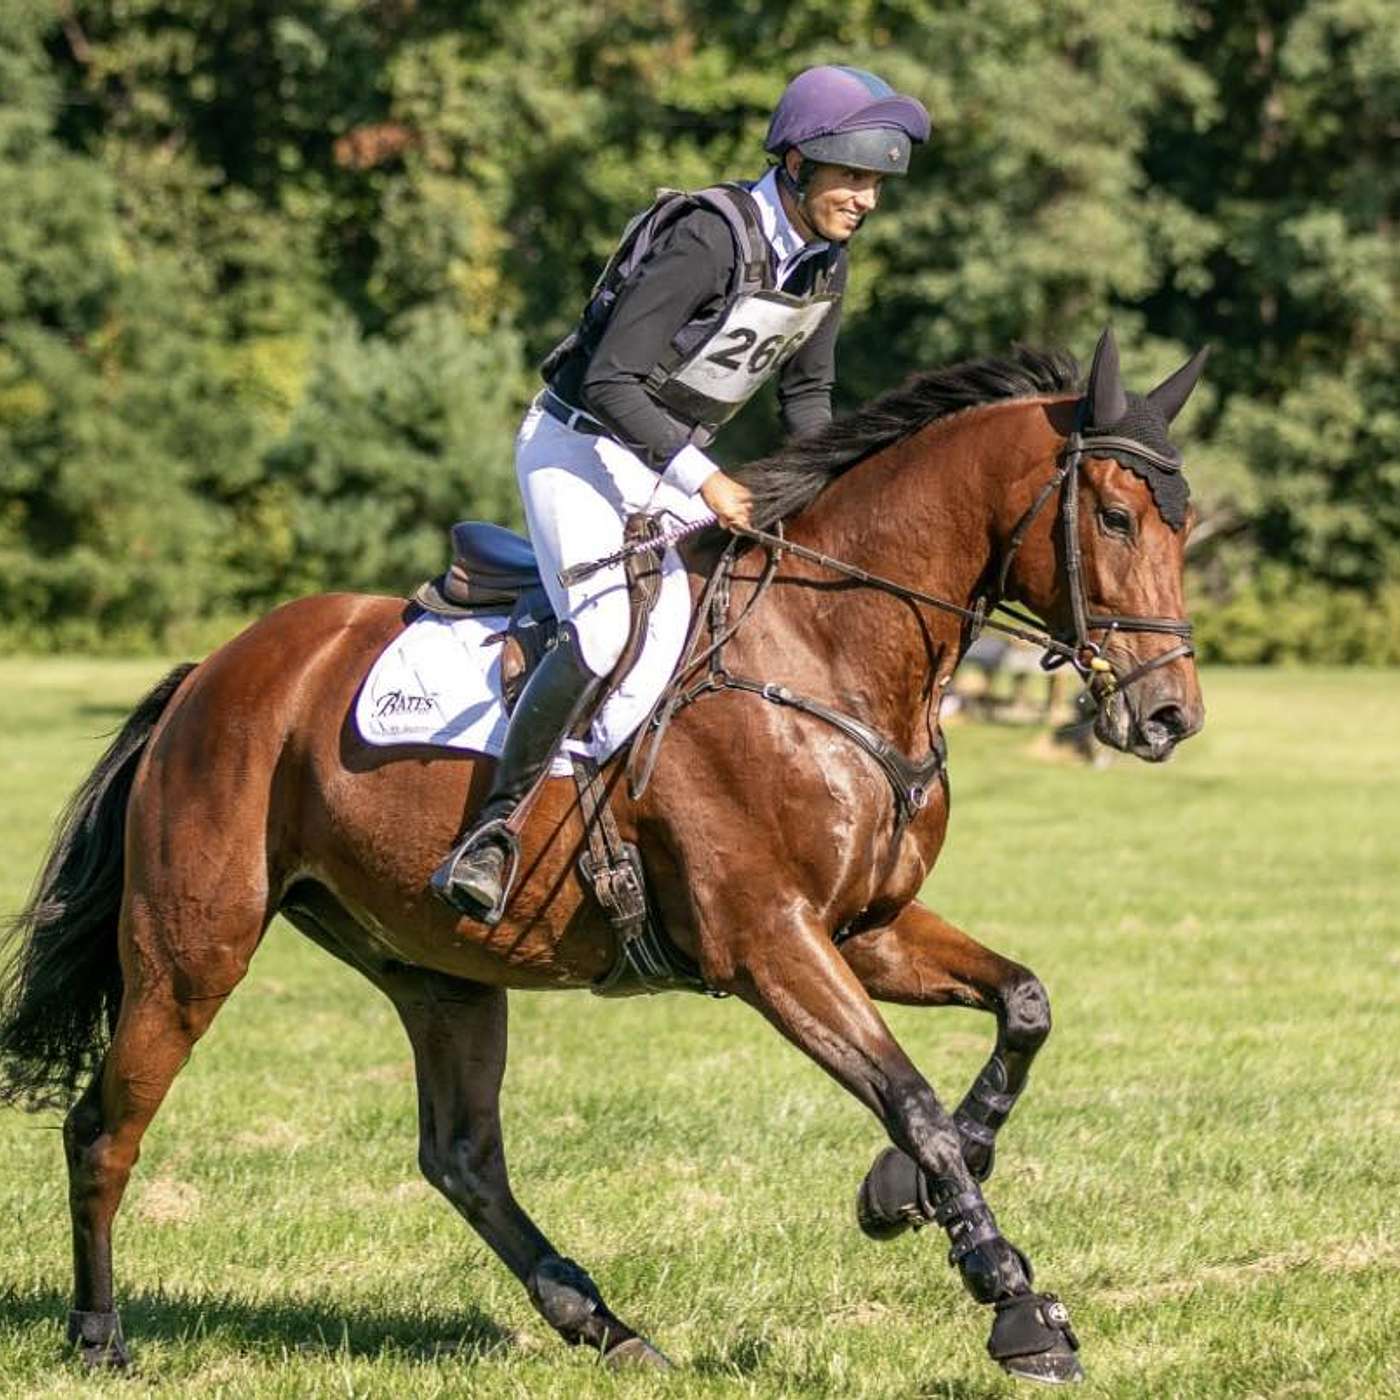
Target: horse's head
(1106, 570)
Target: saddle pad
(439, 682)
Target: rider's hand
(731, 501)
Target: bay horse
(776, 860)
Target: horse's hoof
(1032, 1339)
(1049, 1368)
(98, 1337)
(890, 1200)
(636, 1353)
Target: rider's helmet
(834, 115)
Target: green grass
(1205, 1166)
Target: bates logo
(400, 702)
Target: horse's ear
(1107, 401)
(1169, 396)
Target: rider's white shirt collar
(778, 229)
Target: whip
(576, 573)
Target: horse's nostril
(1171, 718)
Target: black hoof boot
(1032, 1339)
(98, 1337)
(893, 1197)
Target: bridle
(1080, 650)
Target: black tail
(61, 984)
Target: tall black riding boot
(556, 697)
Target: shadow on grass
(293, 1324)
(963, 1390)
(745, 1357)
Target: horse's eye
(1117, 519)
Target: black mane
(792, 477)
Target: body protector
(715, 364)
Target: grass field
(1206, 1166)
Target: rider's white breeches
(577, 491)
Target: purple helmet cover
(831, 100)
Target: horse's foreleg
(458, 1031)
(922, 960)
(801, 983)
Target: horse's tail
(61, 984)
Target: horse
(778, 858)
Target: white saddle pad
(439, 682)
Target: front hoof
(636, 1353)
(98, 1337)
(1049, 1368)
(1033, 1340)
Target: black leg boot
(557, 696)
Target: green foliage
(393, 436)
(273, 279)
(1280, 619)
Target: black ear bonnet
(1144, 422)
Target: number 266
(743, 340)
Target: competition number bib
(760, 333)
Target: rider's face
(838, 199)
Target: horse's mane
(792, 477)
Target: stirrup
(443, 882)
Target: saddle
(494, 570)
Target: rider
(668, 350)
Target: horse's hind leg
(458, 1032)
(922, 960)
(168, 1002)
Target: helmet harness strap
(799, 186)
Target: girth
(647, 960)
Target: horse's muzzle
(1162, 730)
(1148, 725)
